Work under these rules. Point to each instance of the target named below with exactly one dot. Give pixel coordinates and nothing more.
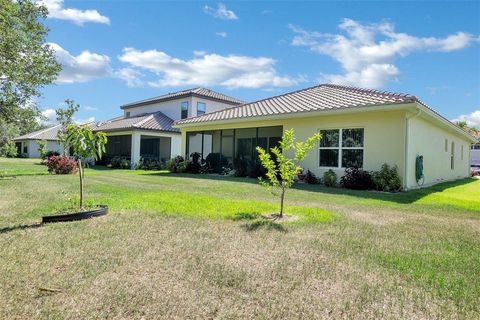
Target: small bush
(8, 150)
(256, 170)
(61, 165)
(241, 167)
(49, 154)
(173, 164)
(311, 178)
(195, 165)
(215, 162)
(387, 179)
(358, 179)
(150, 164)
(119, 163)
(330, 178)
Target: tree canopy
(27, 63)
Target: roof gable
(43, 134)
(194, 92)
(156, 121)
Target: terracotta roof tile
(318, 98)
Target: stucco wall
(32, 146)
(384, 140)
(428, 139)
(172, 108)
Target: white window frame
(199, 103)
(181, 109)
(340, 148)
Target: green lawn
(192, 246)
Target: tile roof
(44, 134)
(317, 98)
(156, 121)
(198, 92)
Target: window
(201, 108)
(25, 148)
(341, 148)
(446, 145)
(452, 156)
(462, 153)
(127, 114)
(184, 108)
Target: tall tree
(27, 63)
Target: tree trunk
(80, 168)
(281, 201)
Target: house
(145, 129)
(475, 152)
(27, 144)
(360, 127)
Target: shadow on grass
(20, 227)
(256, 221)
(209, 176)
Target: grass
(184, 246)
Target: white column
(135, 155)
(176, 146)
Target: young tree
(27, 63)
(42, 148)
(281, 172)
(86, 144)
(65, 118)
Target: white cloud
(366, 52)
(222, 34)
(84, 120)
(233, 71)
(130, 76)
(472, 119)
(88, 108)
(221, 12)
(81, 68)
(50, 117)
(56, 10)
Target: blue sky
(115, 52)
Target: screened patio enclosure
(221, 148)
(151, 148)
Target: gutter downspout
(407, 143)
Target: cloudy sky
(115, 52)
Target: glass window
(127, 114)
(201, 108)
(341, 148)
(25, 149)
(184, 108)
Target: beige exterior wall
(384, 140)
(172, 108)
(429, 139)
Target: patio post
(135, 151)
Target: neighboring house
(360, 127)
(27, 145)
(145, 129)
(475, 152)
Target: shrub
(119, 163)
(215, 162)
(183, 166)
(358, 179)
(195, 165)
(241, 167)
(174, 163)
(149, 164)
(256, 170)
(8, 150)
(330, 178)
(51, 153)
(387, 179)
(61, 165)
(311, 178)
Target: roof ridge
(369, 91)
(147, 118)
